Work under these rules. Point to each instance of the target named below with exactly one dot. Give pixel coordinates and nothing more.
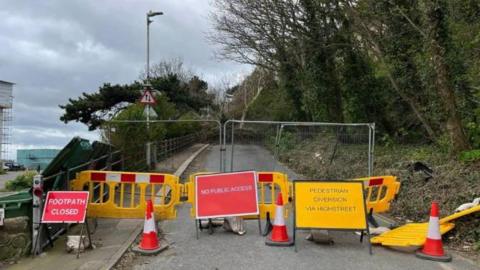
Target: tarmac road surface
(223, 250)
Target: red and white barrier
(120, 177)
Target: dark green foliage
(469, 156)
(93, 109)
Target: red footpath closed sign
(226, 194)
(65, 207)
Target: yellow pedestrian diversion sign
(336, 205)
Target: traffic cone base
(279, 237)
(443, 258)
(433, 247)
(138, 250)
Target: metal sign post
(148, 99)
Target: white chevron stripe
(142, 178)
(113, 177)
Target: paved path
(224, 250)
(110, 237)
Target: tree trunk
(438, 34)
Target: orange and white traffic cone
(279, 234)
(433, 248)
(149, 243)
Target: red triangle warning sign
(147, 98)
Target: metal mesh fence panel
(301, 150)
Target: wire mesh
(301, 150)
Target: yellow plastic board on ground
(336, 205)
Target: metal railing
(163, 149)
(166, 148)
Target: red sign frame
(226, 194)
(65, 207)
(148, 92)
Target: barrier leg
(259, 225)
(196, 227)
(210, 226)
(268, 225)
(371, 219)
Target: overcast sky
(56, 49)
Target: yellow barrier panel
(124, 194)
(380, 190)
(269, 184)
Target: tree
(438, 37)
(401, 63)
(92, 109)
(186, 93)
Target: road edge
(116, 257)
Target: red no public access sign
(226, 194)
(65, 207)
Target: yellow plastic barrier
(269, 184)
(381, 190)
(124, 194)
(414, 234)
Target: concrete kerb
(115, 258)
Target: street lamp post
(150, 14)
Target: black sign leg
(295, 238)
(90, 244)
(49, 237)
(211, 230)
(80, 241)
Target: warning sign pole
(148, 99)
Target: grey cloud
(56, 49)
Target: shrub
(20, 182)
(469, 156)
